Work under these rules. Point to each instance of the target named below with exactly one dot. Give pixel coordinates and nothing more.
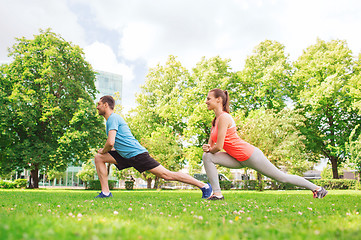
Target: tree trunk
(149, 183)
(260, 183)
(334, 167)
(156, 183)
(35, 178)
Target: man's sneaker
(101, 195)
(320, 193)
(207, 192)
(214, 197)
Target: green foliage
(353, 150)
(95, 184)
(7, 184)
(225, 185)
(54, 174)
(265, 82)
(129, 185)
(278, 136)
(21, 183)
(87, 171)
(337, 183)
(323, 74)
(49, 115)
(125, 173)
(326, 173)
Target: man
(124, 151)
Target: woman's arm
(222, 125)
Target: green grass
(75, 214)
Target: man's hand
(206, 147)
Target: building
(109, 84)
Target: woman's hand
(206, 147)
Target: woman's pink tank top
(233, 144)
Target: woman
(238, 153)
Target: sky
(128, 37)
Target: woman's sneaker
(214, 197)
(321, 193)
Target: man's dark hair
(108, 99)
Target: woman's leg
(220, 158)
(260, 163)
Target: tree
(87, 171)
(54, 174)
(208, 74)
(322, 76)
(265, 82)
(278, 136)
(164, 147)
(50, 97)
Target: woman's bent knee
(206, 156)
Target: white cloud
(25, 18)
(139, 39)
(102, 57)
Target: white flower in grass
(142, 208)
(161, 213)
(130, 209)
(230, 221)
(357, 213)
(348, 214)
(70, 214)
(58, 206)
(79, 215)
(209, 209)
(184, 209)
(300, 213)
(11, 209)
(192, 212)
(265, 217)
(39, 204)
(309, 208)
(249, 219)
(200, 217)
(49, 210)
(115, 213)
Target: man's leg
(100, 160)
(164, 173)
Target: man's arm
(109, 143)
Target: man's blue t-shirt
(125, 143)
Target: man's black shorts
(142, 162)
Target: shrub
(7, 184)
(337, 183)
(225, 185)
(95, 184)
(129, 185)
(21, 183)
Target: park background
(293, 76)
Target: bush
(95, 184)
(337, 183)
(7, 184)
(225, 185)
(21, 183)
(129, 185)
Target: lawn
(140, 214)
